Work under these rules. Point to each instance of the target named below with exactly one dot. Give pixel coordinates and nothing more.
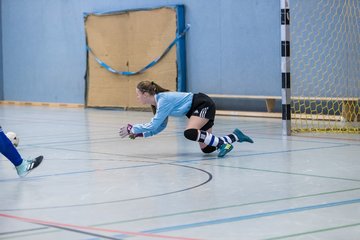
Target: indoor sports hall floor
(95, 185)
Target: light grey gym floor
(94, 185)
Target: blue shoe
(242, 137)
(27, 165)
(224, 149)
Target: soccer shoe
(242, 137)
(27, 165)
(224, 149)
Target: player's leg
(23, 167)
(198, 123)
(201, 119)
(208, 142)
(206, 148)
(8, 149)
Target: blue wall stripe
(181, 48)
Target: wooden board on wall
(128, 41)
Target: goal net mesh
(325, 65)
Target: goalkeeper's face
(144, 97)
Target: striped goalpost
(285, 67)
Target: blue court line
(266, 153)
(252, 216)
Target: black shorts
(203, 106)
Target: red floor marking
(55, 224)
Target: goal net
(325, 65)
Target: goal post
(285, 67)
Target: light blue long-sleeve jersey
(175, 104)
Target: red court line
(56, 224)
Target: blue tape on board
(151, 64)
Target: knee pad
(191, 134)
(208, 149)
